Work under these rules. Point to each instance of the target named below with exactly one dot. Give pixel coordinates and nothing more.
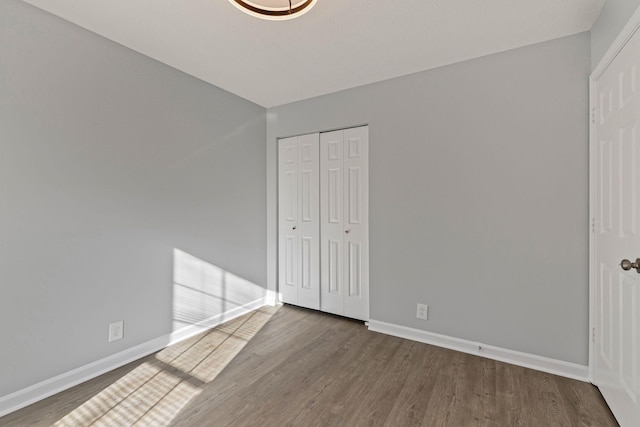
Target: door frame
(612, 52)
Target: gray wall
(108, 162)
(613, 17)
(478, 195)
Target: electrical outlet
(423, 311)
(116, 331)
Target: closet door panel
(309, 221)
(288, 220)
(356, 222)
(331, 220)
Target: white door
(298, 223)
(616, 127)
(344, 220)
(331, 218)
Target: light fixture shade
(274, 9)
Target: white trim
(532, 361)
(618, 44)
(625, 35)
(272, 206)
(592, 245)
(271, 298)
(34, 393)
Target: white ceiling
(337, 45)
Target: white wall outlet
(116, 331)
(423, 311)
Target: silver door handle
(628, 265)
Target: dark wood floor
(288, 366)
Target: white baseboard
(21, 398)
(532, 361)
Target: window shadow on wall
(205, 294)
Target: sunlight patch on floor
(156, 391)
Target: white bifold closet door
(344, 222)
(299, 222)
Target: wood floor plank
(374, 408)
(343, 383)
(511, 401)
(287, 366)
(411, 405)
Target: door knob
(294, 227)
(347, 231)
(628, 265)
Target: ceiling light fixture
(274, 9)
